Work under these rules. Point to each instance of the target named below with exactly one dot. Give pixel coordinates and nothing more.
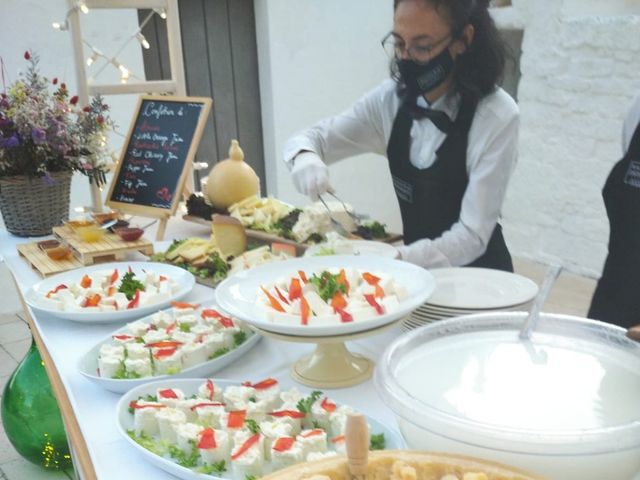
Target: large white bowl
(184, 279)
(563, 405)
(190, 386)
(237, 294)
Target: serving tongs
(357, 217)
(337, 226)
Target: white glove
(310, 175)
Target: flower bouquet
(45, 136)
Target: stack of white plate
(464, 291)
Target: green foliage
(130, 284)
(219, 352)
(252, 426)
(304, 404)
(239, 338)
(377, 442)
(188, 460)
(208, 469)
(327, 285)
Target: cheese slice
(229, 235)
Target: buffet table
(89, 411)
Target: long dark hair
(481, 67)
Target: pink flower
(63, 86)
(100, 119)
(86, 109)
(27, 55)
(55, 81)
(74, 100)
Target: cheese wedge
(229, 235)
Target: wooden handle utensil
(357, 443)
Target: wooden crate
(109, 249)
(40, 262)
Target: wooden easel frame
(155, 212)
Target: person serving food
(448, 131)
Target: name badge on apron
(632, 177)
(404, 190)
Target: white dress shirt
(630, 124)
(491, 156)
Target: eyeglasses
(420, 53)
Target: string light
(61, 26)
(162, 12)
(143, 41)
(95, 53)
(200, 165)
(83, 7)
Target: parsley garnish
(377, 442)
(219, 352)
(184, 327)
(327, 285)
(188, 460)
(239, 338)
(145, 441)
(316, 424)
(130, 284)
(252, 425)
(304, 405)
(218, 467)
(250, 477)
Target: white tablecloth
(95, 407)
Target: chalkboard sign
(158, 152)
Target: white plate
(480, 288)
(190, 386)
(237, 294)
(184, 279)
(88, 364)
(354, 247)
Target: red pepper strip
(303, 277)
(111, 291)
(280, 296)
(129, 269)
(62, 286)
(86, 281)
(283, 444)
(328, 406)
(167, 393)
(274, 303)
(135, 301)
(345, 317)
(287, 413)
(379, 291)
(114, 277)
(312, 433)
(135, 405)
(207, 439)
(162, 278)
(342, 280)
(370, 279)
(236, 418)
(305, 310)
(339, 438)
(338, 302)
(92, 300)
(372, 301)
(262, 385)
(171, 327)
(210, 388)
(163, 344)
(184, 305)
(207, 404)
(210, 313)
(226, 322)
(122, 337)
(246, 446)
(295, 289)
(165, 352)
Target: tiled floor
(570, 295)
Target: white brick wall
(579, 76)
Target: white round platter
(184, 280)
(88, 364)
(237, 294)
(190, 386)
(480, 288)
(353, 247)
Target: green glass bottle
(31, 416)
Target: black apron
(430, 199)
(617, 296)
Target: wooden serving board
(40, 262)
(264, 237)
(109, 249)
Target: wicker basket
(31, 207)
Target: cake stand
(331, 365)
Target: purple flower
(38, 135)
(10, 142)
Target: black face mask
(421, 79)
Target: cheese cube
(338, 420)
(108, 366)
(161, 319)
(250, 462)
(220, 452)
(109, 350)
(153, 336)
(137, 328)
(271, 430)
(210, 391)
(168, 420)
(168, 365)
(144, 418)
(313, 440)
(282, 458)
(187, 435)
(212, 416)
(193, 354)
(137, 351)
(169, 396)
(138, 368)
(237, 396)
